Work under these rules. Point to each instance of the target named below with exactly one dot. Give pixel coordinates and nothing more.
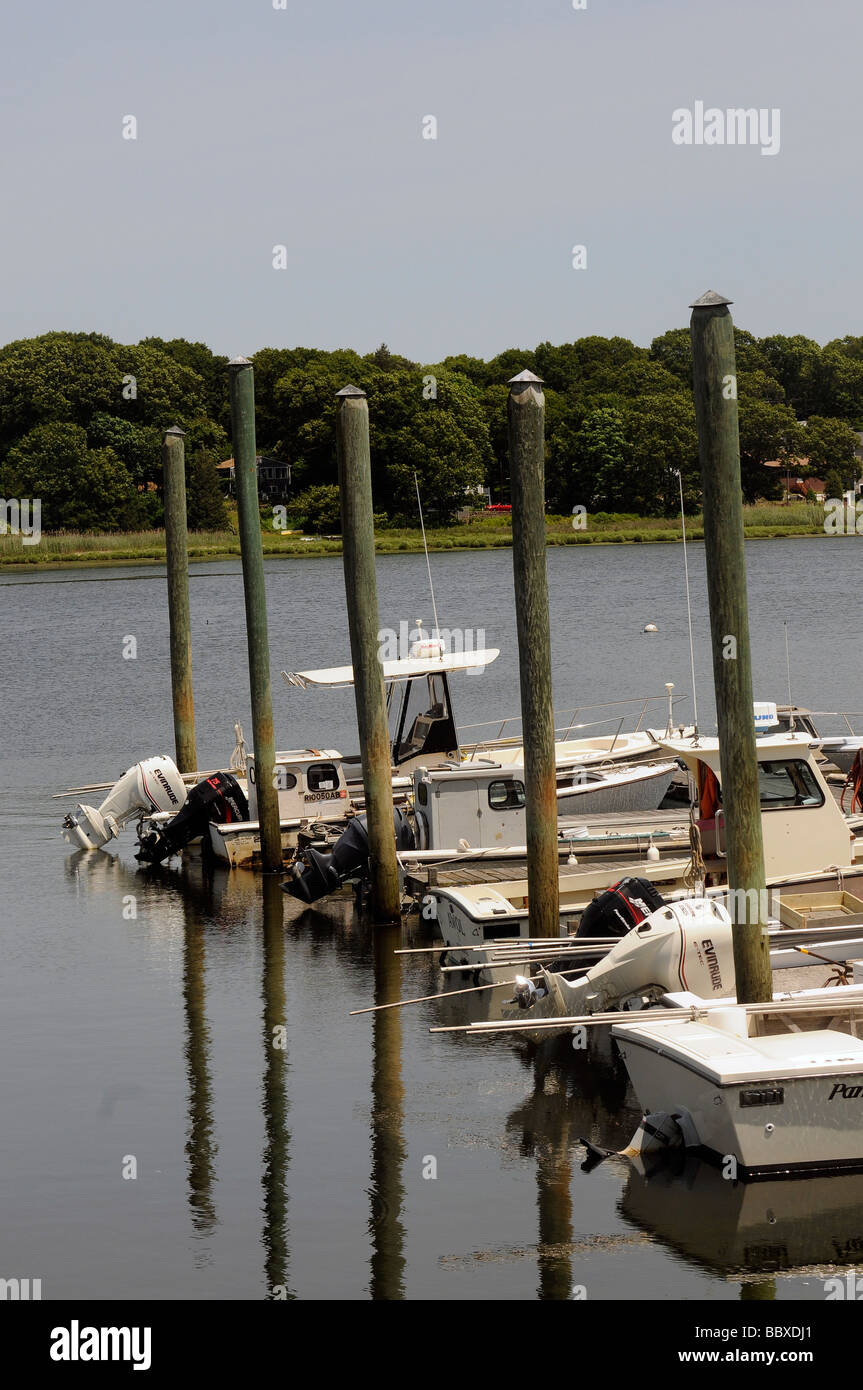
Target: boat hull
(769, 1127)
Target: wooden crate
(800, 909)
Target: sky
(302, 127)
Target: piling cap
(240, 362)
(350, 391)
(175, 432)
(710, 300)
(526, 377)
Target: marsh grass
(762, 521)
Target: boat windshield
(788, 782)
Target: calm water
(145, 1039)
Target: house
(797, 479)
(274, 477)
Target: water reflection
(573, 1096)
(387, 1118)
(201, 1147)
(746, 1229)
(275, 1093)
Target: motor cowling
(685, 945)
(620, 908)
(152, 785)
(217, 800)
(321, 873)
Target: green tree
(602, 450)
(444, 440)
(796, 363)
(58, 376)
(662, 442)
(841, 386)
(81, 489)
(673, 350)
(831, 445)
(205, 501)
(767, 432)
(211, 368)
(319, 509)
(138, 446)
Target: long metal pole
(526, 417)
(246, 474)
(715, 388)
(176, 548)
(358, 553)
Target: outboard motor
(618, 910)
(152, 785)
(217, 800)
(684, 945)
(324, 873)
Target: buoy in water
(650, 627)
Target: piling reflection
(201, 1147)
(387, 1117)
(572, 1096)
(276, 1155)
(191, 894)
(745, 1230)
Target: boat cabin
(310, 782)
(481, 803)
(802, 826)
(421, 721)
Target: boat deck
(669, 829)
(606, 838)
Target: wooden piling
(276, 1155)
(358, 554)
(715, 389)
(176, 548)
(526, 417)
(242, 383)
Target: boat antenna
(788, 674)
(426, 549)
(688, 609)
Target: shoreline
(316, 549)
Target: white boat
(843, 750)
(465, 810)
(807, 843)
(759, 1089)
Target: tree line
(82, 418)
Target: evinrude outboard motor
(324, 873)
(684, 945)
(152, 785)
(217, 800)
(618, 910)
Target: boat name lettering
(845, 1092)
(321, 796)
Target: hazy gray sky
(303, 127)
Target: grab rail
(643, 700)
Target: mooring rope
(695, 874)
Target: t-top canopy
(405, 669)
